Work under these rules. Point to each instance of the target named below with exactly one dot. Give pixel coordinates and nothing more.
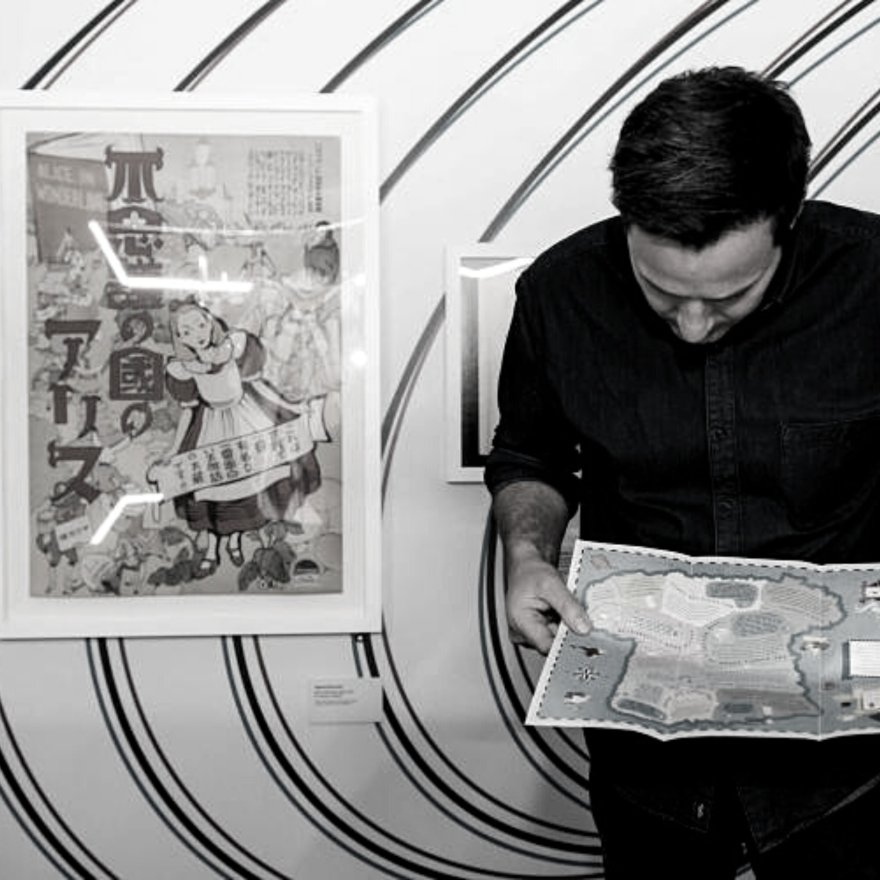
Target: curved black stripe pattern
(302, 756)
(159, 757)
(394, 417)
(868, 111)
(440, 784)
(371, 665)
(543, 168)
(77, 44)
(280, 769)
(494, 73)
(392, 32)
(814, 36)
(854, 124)
(404, 389)
(568, 741)
(59, 852)
(834, 51)
(858, 120)
(222, 50)
(145, 776)
(260, 729)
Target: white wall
(143, 758)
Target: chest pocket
(829, 469)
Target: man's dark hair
(709, 151)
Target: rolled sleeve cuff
(504, 466)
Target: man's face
(701, 294)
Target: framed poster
(480, 281)
(189, 365)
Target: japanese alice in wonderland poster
(192, 292)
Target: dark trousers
(639, 845)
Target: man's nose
(693, 320)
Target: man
(706, 362)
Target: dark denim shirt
(765, 443)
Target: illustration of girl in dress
(215, 374)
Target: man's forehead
(727, 267)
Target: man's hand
(537, 600)
(531, 519)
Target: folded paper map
(696, 646)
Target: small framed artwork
(190, 442)
(480, 281)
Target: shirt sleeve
(533, 440)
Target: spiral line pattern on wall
(196, 757)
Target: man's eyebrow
(728, 297)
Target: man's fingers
(575, 616)
(532, 628)
(567, 608)
(537, 600)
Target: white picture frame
(189, 309)
(479, 296)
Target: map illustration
(696, 646)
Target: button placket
(721, 444)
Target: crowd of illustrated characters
(122, 380)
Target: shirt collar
(783, 281)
